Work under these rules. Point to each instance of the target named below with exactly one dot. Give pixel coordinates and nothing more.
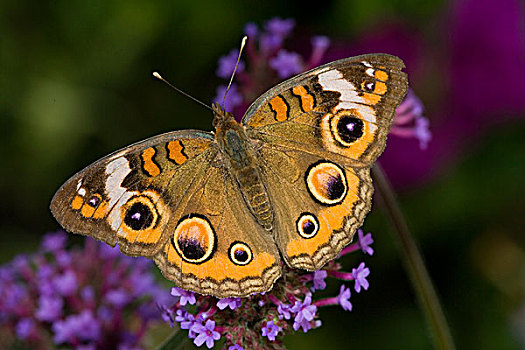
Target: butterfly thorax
(240, 159)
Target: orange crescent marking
(330, 219)
(307, 100)
(220, 267)
(77, 202)
(148, 164)
(101, 211)
(87, 210)
(279, 107)
(371, 99)
(381, 75)
(380, 88)
(176, 152)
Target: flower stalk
(414, 264)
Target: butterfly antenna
(243, 42)
(158, 76)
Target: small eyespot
(368, 86)
(140, 213)
(307, 225)
(94, 200)
(240, 253)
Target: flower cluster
(268, 63)
(261, 320)
(90, 298)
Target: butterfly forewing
(131, 196)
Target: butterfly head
(222, 119)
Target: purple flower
(65, 284)
(54, 242)
(304, 313)
(232, 303)
(167, 315)
(185, 296)
(320, 42)
(284, 311)
(65, 298)
(251, 30)
(319, 45)
(227, 65)
(49, 308)
(118, 298)
(365, 242)
(181, 315)
(360, 275)
(279, 27)
(270, 330)
(206, 334)
(235, 347)
(410, 122)
(344, 298)
(82, 327)
(233, 99)
(191, 324)
(318, 279)
(286, 64)
(422, 132)
(25, 327)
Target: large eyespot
(240, 253)
(140, 213)
(326, 182)
(307, 225)
(194, 239)
(346, 128)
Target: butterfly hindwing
(318, 205)
(131, 197)
(217, 247)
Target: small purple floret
(304, 313)
(318, 280)
(232, 303)
(227, 65)
(360, 275)
(344, 298)
(270, 330)
(206, 334)
(286, 64)
(185, 296)
(365, 242)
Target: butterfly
(221, 212)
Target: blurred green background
(76, 84)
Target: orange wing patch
(176, 152)
(220, 267)
(307, 99)
(280, 108)
(149, 165)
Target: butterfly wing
(344, 108)
(317, 135)
(217, 246)
(170, 198)
(132, 197)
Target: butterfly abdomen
(255, 195)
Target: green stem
(414, 264)
(175, 341)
